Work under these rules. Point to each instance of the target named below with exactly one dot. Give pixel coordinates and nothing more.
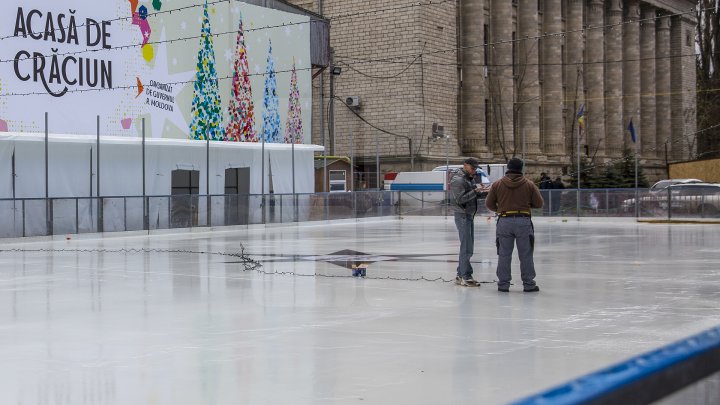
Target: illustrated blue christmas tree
(271, 116)
(293, 127)
(206, 109)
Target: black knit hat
(515, 165)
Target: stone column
(647, 82)
(631, 72)
(500, 80)
(527, 79)
(574, 69)
(662, 86)
(683, 81)
(594, 78)
(473, 90)
(614, 129)
(553, 132)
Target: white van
(492, 172)
(431, 187)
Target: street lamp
(438, 132)
(334, 71)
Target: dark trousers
(510, 231)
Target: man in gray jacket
(464, 193)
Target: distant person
(556, 199)
(594, 202)
(512, 198)
(463, 203)
(546, 183)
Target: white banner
(188, 72)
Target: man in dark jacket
(464, 193)
(546, 184)
(512, 197)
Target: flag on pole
(631, 129)
(581, 117)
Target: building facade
(507, 78)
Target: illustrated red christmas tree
(293, 127)
(241, 115)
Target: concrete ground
(170, 319)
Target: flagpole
(579, 116)
(637, 201)
(633, 138)
(577, 197)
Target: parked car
(663, 184)
(683, 198)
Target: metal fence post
(146, 208)
(607, 201)
(48, 216)
(101, 226)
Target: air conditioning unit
(353, 101)
(438, 131)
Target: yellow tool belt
(514, 214)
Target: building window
(541, 60)
(563, 70)
(485, 43)
(487, 122)
(514, 56)
(541, 134)
(688, 38)
(338, 180)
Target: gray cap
(472, 162)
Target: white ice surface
(186, 328)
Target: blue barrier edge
(416, 187)
(592, 385)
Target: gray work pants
(465, 224)
(509, 231)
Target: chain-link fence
(698, 203)
(59, 216)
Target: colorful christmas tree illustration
(206, 109)
(293, 127)
(241, 114)
(271, 117)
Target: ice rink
(159, 320)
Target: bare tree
(708, 78)
(523, 81)
(500, 116)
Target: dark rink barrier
(677, 373)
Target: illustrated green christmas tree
(271, 117)
(293, 126)
(241, 114)
(206, 109)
